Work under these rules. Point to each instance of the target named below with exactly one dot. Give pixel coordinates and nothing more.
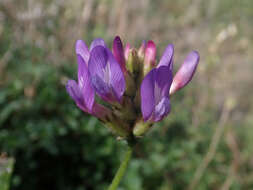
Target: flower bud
(118, 52)
(141, 51)
(133, 61)
(149, 59)
(133, 66)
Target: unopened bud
(133, 62)
(149, 59)
(141, 51)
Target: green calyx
(141, 128)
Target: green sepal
(141, 128)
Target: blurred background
(205, 143)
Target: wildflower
(155, 103)
(82, 91)
(134, 90)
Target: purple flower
(155, 103)
(82, 92)
(126, 79)
(157, 85)
(98, 72)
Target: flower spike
(133, 90)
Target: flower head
(134, 90)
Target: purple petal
(163, 79)
(127, 50)
(102, 88)
(162, 109)
(150, 53)
(106, 75)
(118, 52)
(147, 95)
(117, 79)
(186, 72)
(97, 42)
(83, 50)
(75, 93)
(84, 83)
(167, 57)
(98, 61)
(97, 66)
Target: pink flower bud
(150, 53)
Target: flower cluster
(126, 88)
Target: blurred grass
(206, 141)
(6, 167)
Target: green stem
(121, 171)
